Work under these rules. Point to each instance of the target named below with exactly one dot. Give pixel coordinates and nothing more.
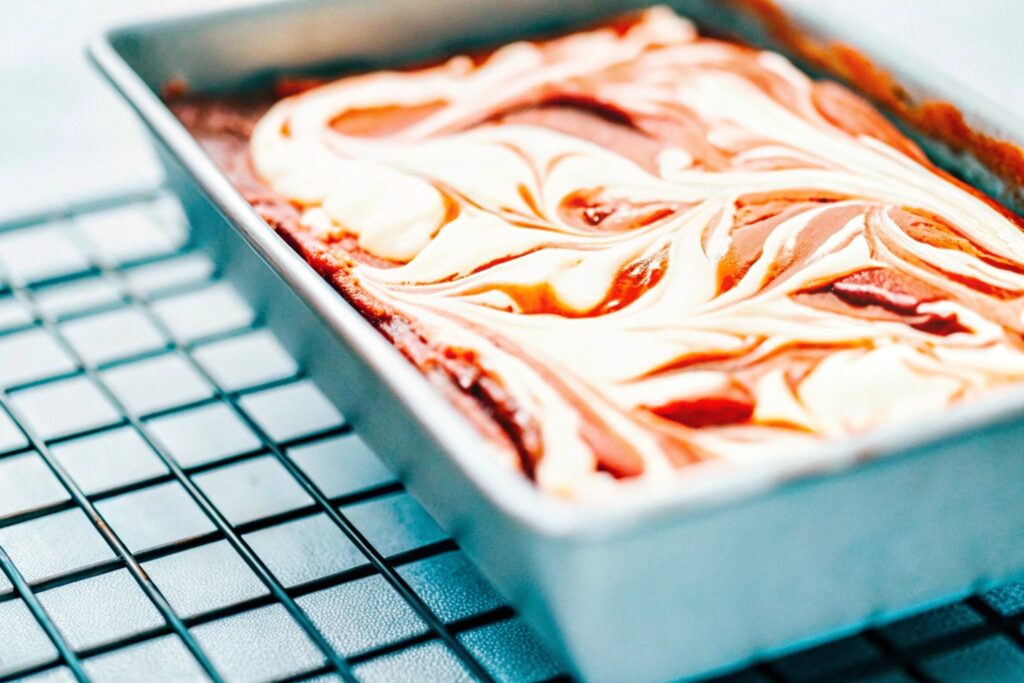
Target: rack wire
(178, 501)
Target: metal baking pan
(723, 570)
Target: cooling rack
(178, 501)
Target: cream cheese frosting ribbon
(669, 250)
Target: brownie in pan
(633, 252)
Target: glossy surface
(643, 250)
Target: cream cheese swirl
(666, 249)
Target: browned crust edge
(478, 396)
(453, 371)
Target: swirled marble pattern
(666, 250)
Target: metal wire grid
(447, 643)
(388, 598)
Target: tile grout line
(62, 213)
(64, 651)
(20, 675)
(112, 540)
(354, 535)
(1008, 626)
(211, 512)
(210, 537)
(339, 578)
(893, 654)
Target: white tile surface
(112, 458)
(203, 435)
(82, 611)
(262, 644)
(10, 436)
(65, 407)
(203, 579)
(31, 355)
(127, 233)
(85, 294)
(26, 483)
(60, 674)
(164, 658)
(292, 410)
(25, 644)
(154, 516)
(13, 314)
(252, 489)
(155, 384)
(246, 361)
(213, 310)
(154, 278)
(106, 337)
(56, 544)
(41, 253)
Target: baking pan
(727, 568)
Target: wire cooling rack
(179, 502)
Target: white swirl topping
(665, 249)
